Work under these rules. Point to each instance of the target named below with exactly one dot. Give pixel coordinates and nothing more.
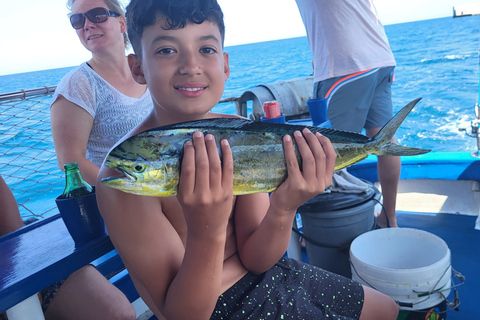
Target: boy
(207, 254)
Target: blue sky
(36, 35)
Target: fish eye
(139, 167)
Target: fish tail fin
(392, 149)
(382, 139)
(389, 129)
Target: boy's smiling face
(185, 69)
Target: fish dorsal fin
(333, 134)
(225, 123)
(258, 126)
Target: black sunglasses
(95, 15)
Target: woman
(98, 102)
(93, 107)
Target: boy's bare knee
(87, 294)
(121, 312)
(119, 308)
(391, 309)
(378, 306)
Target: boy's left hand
(205, 190)
(318, 163)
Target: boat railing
(474, 130)
(24, 94)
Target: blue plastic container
(82, 217)
(318, 110)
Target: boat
(466, 10)
(438, 192)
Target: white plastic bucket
(411, 266)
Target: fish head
(146, 167)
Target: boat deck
(464, 243)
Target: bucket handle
(454, 304)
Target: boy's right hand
(206, 184)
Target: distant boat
(464, 10)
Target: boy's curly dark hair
(142, 13)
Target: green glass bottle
(75, 186)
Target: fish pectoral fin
(392, 149)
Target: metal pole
(24, 94)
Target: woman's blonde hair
(113, 5)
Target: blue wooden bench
(35, 256)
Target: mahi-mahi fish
(151, 160)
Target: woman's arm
(71, 126)
(10, 219)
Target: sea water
(437, 60)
